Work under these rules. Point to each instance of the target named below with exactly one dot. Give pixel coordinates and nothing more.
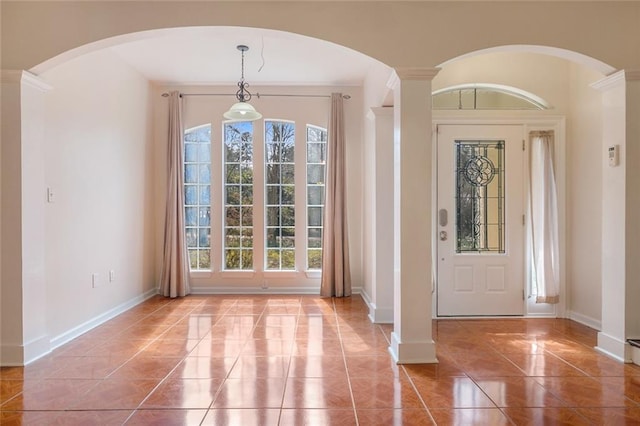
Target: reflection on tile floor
(304, 360)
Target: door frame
(529, 123)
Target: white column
(23, 316)
(411, 340)
(381, 193)
(620, 213)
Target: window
(280, 195)
(268, 213)
(316, 172)
(197, 195)
(486, 97)
(238, 195)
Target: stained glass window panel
(480, 196)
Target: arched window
(291, 179)
(197, 195)
(486, 97)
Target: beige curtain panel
(174, 279)
(336, 278)
(543, 219)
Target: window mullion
(300, 200)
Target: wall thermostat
(614, 155)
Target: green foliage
(314, 259)
(200, 259)
(239, 259)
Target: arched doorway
(104, 121)
(555, 76)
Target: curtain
(336, 278)
(174, 278)
(543, 219)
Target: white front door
(480, 220)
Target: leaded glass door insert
(480, 233)
(479, 196)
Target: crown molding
(412, 73)
(609, 82)
(375, 112)
(393, 80)
(616, 79)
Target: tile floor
(302, 360)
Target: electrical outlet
(112, 276)
(95, 280)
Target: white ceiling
(208, 55)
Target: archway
(597, 105)
(101, 121)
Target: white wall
(198, 110)
(99, 165)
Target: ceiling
(208, 55)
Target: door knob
(443, 235)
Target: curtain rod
(257, 95)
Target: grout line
(413, 385)
(344, 360)
(286, 376)
(235, 362)
(415, 389)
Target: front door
(480, 222)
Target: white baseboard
(412, 352)
(377, 314)
(365, 296)
(101, 319)
(584, 319)
(613, 347)
(37, 348)
(19, 355)
(635, 355)
(253, 290)
(259, 290)
(381, 315)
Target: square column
(414, 190)
(23, 326)
(620, 213)
(381, 193)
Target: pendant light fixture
(242, 110)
